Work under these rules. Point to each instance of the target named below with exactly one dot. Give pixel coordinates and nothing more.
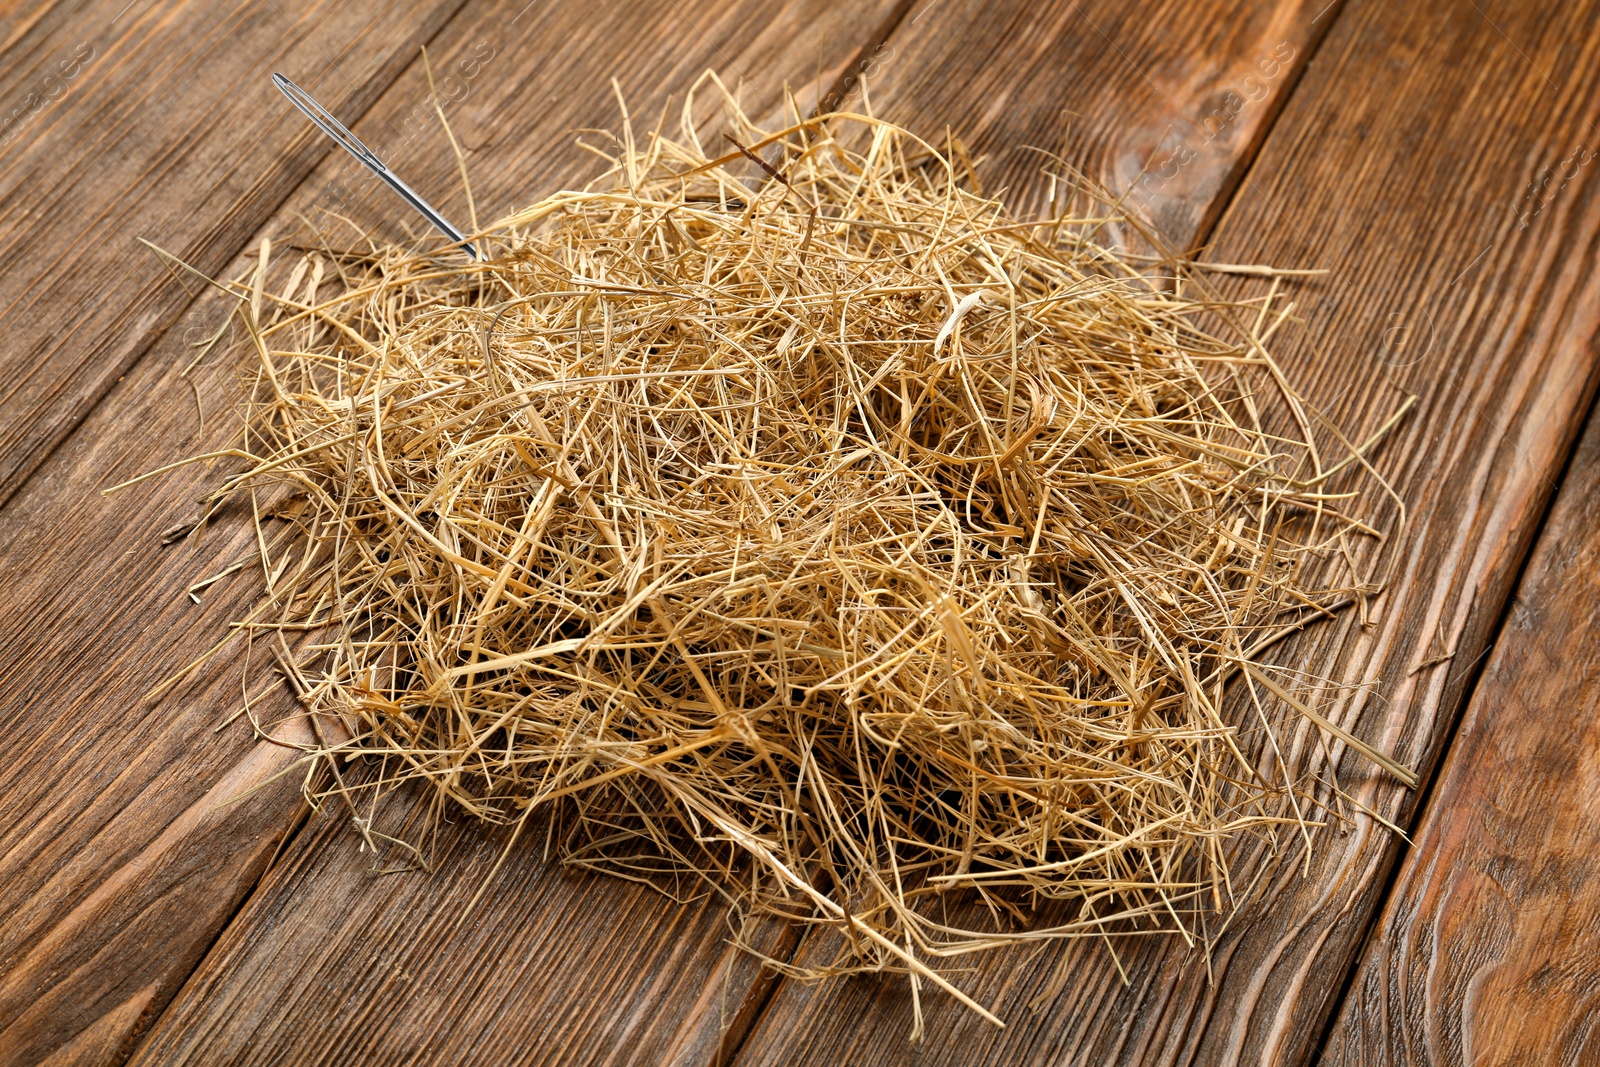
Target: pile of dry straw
(814, 527)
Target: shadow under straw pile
(813, 528)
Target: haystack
(782, 513)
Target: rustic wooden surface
(106, 910)
(1400, 159)
(1179, 93)
(1488, 949)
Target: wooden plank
(122, 120)
(1488, 947)
(145, 120)
(1166, 102)
(321, 941)
(16, 18)
(553, 967)
(118, 866)
(1402, 164)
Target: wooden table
(1434, 157)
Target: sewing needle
(364, 155)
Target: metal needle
(364, 155)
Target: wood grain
(16, 18)
(1165, 102)
(121, 117)
(1401, 165)
(552, 967)
(151, 120)
(1488, 949)
(118, 868)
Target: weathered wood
(117, 866)
(551, 967)
(1401, 164)
(156, 121)
(16, 18)
(140, 922)
(1488, 950)
(1166, 102)
(119, 121)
